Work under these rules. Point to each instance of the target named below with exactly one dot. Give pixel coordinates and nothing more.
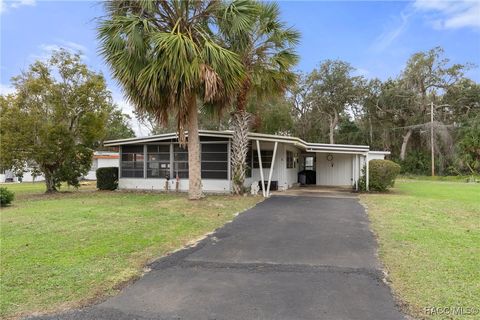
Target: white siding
(100, 163)
(27, 176)
(291, 175)
(285, 177)
(213, 186)
(337, 172)
(376, 156)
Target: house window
(215, 161)
(309, 163)
(290, 161)
(180, 162)
(267, 156)
(158, 161)
(132, 161)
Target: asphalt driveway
(287, 258)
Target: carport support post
(261, 167)
(357, 174)
(367, 182)
(271, 168)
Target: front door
(307, 174)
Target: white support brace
(271, 168)
(261, 167)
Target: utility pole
(431, 139)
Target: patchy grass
(61, 251)
(28, 189)
(429, 237)
(441, 178)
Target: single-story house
(9, 176)
(276, 162)
(102, 159)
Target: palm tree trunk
(241, 126)
(241, 123)
(194, 165)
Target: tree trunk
(50, 182)
(371, 130)
(406, 138)
(333, 125)
(241, 125)
(194, 165)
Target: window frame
(183, 172)
(226, 162)
(290, 160)
(177, 156)
(265, 154)
(135, 163)
(162, 171)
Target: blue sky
(375, 37)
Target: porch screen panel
(132, 161)
(267, 156)
(215, 161)
(158, 161)
(180, 162)
(248, 161)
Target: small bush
(382, 175)
(6, 197)
(107, 178)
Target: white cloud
(445, 14)
(5, 5)
(362, 72)
(441, 14)
(126, 107)
(6, 89)
(397, 28)
(46, 49)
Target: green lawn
(429, 237)
(64, 250)
(28, 189)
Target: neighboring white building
(147, 162)
(102, 159)
(9, 176)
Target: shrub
(416, 162)
(382, 175)
(107, 178)
(6, 197)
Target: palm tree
(167, 58)
(266, 48)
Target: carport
(336, 165)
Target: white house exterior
(102, 159)
(158, 162)
(9, 176)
